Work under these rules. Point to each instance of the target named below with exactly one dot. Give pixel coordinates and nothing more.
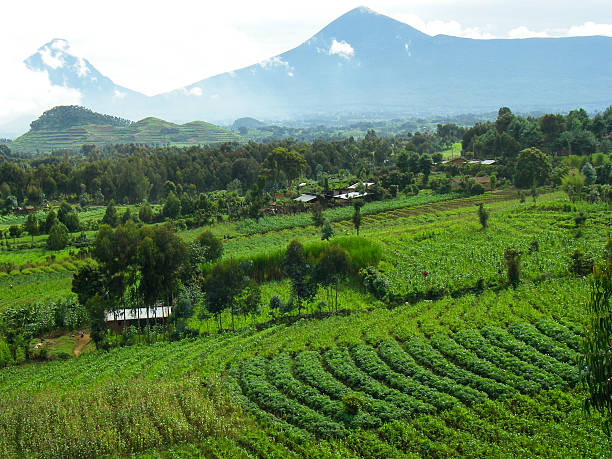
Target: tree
(595, 360)
(572, 184)
(326, 231)
(513, 265)
(317, 216)
(111, 218)
(145, 213)
(483, 216)
(88, 284)
(357, 215)
(332, 267)
(532, 165)
(493, 181)
(249, 300)
(213, 247)
(534, 190)
(15, 231)
(425, 165)
(291, 163)
(58, 237)
(299, 268)
(403, 162)
(31, 226)
(127, 216)
(172, 206)
(49, 221)
(71, 220)
(223, 284)
(589, 173)
(63, 211)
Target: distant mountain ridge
(70, 127)
(367, 63)
(63, 117)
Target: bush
(58, 237)
(352, 403)
(513, 264)
(580, 264)
(374, 282)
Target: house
(350, 195)
(484, 162)
(120, 318)
(484, 181)
(365, 184)
(455, 162)
(306, 198)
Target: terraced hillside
(45, 137)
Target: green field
(461, 365)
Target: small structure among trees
(120, 319)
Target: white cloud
(26, 93)
(407, 48)
(118, 95)
(195, 91)
(590, 28)
(440, 27)
(277, 61)
(342, 49)
(524, 32)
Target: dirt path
(81, 343)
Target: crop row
(467, 359)
(472, 340)
(546, 345)
(329, 393)
(505, 340)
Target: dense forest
(135, 173)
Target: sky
(154, 47)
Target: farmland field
(461, 364)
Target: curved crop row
(559, 333)
(400, 361)
(503, 339)
(546, 345)
(309, 368)
(426, 355)
(366, 358)
(472, 340)
(340, 363)
(475, 364)
(265, 395)
(279, 374)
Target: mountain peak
(363, 10)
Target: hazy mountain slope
(73, 130)
(364, 62)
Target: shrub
(352, 403)
(58, 237)
(513, 265)
(483, 216)
(374, 282)
(580, 264)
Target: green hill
(70, 127)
